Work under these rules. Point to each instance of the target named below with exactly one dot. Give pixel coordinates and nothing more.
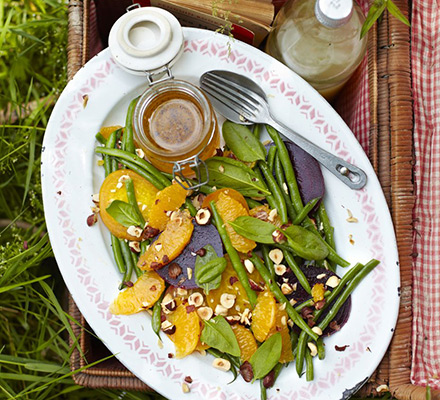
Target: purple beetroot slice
(202, 236)
(300, 295)
(308, 173)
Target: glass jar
(173, 122)
(320, 41)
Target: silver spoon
(241, 100)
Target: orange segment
(168, 199)
(141, 296)
(228, 192)
(170, 243)
(263, 316)
(106, 131)
(187, 332)
(230, 209)
(112, 189)
(281, 319)
(246, 341)
(231, 285)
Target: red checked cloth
(425, 58)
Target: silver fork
(241, 100)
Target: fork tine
(226, 101)
(244, 92)
(232, 98)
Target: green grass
(34, 328)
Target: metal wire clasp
(195, 164)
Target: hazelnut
(134, 231)
(276, 255)
(185, 387)
(181, 292)
(246, 371)
(317, 330)
(203, 216)
(195, 299)
(227, 300)
(280, 269)
(232, 319)
(135, 246)
(321, 276)
(333, 281)
(140, 153)
(269, 379)
(200, 252)
(95, 198)
(174, 270)
(149, 232)
(189, 272)
(158, 246)
(313, 349)
(168, 305)
(286, 288)
(278, 236)
(205, 313)
(168, 327)
(198, 200)
(255, 286)
(220, 310)
(92, 219)
(221, 364)
(272, 215)
(249, 265)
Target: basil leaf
(226, 172)
(254, 229)
(208, 269)
(242, 142)
(266, 356)
(218, 333)
(305, 243)
(124, 213)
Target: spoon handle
(352, 176)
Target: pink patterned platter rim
(70, 175)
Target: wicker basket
(391, 154)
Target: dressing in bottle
(320, 41)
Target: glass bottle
(320, 41)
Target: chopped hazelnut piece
(333, 281)
(221, 364)
(203, 216)
(276, 255)
(272, 215)
(313, 349)
(286, 288)
(249, 265)
(317, 330)
(134, 231)
(185, 387)
(221, 310)
(280, 269)
(205, 313)
(195, 299)
(227, 300)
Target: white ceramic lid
(145, 39)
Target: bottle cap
(333, 13)
(145, 39)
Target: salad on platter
(244, 268)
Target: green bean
(347, 291)
(268, 261)
(294, 340)
(144, 245)
(110, 144)
(297, 271)
(279, 175)
(275, 190)
(271, 157)
(125, 155)
(278, 368)
(263, 391)
(288, 169)
(190, 206)
(257, 130)
(131, 196)
(156, 320)
(233, 255)
(126, 254)
(270, 198)
(140, 171)
(276, 291)
(127, 139)
(328, 228)
(136, 269)
(101, 139)
(252, 203)
(310, 302)
(117, 253)
(309, 366)
(305, 211)
(321, 348)
(300, 352)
